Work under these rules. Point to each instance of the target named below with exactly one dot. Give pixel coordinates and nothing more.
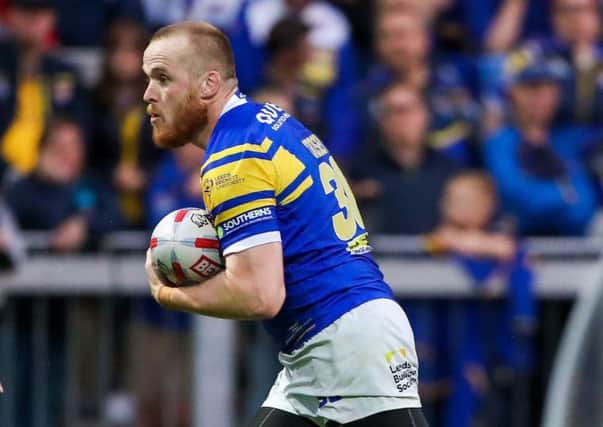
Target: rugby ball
(185, 247)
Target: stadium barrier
(86, 283)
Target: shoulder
(250, 123)
(244, 133)
(237, 126)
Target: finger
(149, 259)
(163, 278)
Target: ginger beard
(188, 119)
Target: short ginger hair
(210, 45)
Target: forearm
(486, 245)
(506, 26)
(499, 247)
(221, 296)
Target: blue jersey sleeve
(239, 185)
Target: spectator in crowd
(326, 80)
(83, 23)
(577, 26)
(221, 13)
(536, 166)
(576, 42)
(57, 197)
(175, 183)
(400, 181)
(402, 47)
(33, 83)
(402, 43)
(491, 336)
(121, 148)
(470, 26)
(287, 52)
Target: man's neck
(408, 157)
(214, 111)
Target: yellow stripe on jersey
(303, 186)
(255, 148)
(288, 168)
(236, 179)
(244, 207)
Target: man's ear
(210, 84)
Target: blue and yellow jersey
(266, 178)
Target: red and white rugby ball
(185, 247)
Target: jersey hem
(253, 241)
(335, 314)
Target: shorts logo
(403, 372)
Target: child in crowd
(490, 338)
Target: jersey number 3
(348, 219)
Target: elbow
(269, 306)
(269, 311)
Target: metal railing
(98, 296)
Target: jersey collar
(234, 101)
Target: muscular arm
(251, 287)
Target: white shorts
(362, 364)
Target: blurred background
(472, 135)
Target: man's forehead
(166, 51)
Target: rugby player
(295, 247)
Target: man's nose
(149, 94)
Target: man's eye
(163, 78)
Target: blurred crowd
(470, 123)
